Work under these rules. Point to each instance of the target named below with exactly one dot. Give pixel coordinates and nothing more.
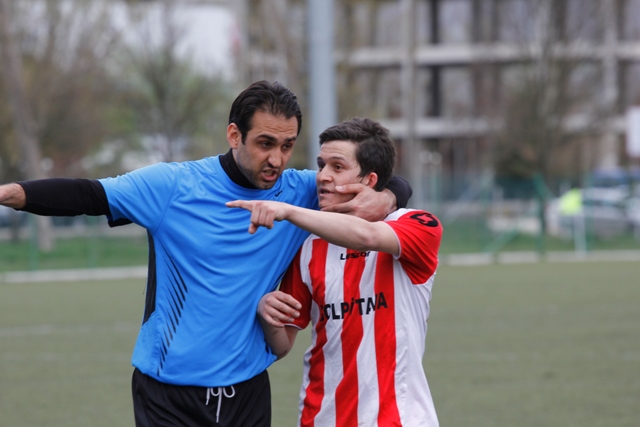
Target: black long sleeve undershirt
(65, 197)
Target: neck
(231, 168)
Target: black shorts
(246, 404)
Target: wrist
(13, 196)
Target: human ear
(370, 179)
(234, 136)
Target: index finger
(244, 204)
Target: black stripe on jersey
(178, 294)
(150, 299)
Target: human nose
(323, 175)
(275, 159)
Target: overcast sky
(209, 33)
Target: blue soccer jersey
(206, 272)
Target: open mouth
(269, 175)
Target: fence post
(542, 193)
(33, 248)
(92, 240)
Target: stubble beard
(254, 179)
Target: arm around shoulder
(401, 190)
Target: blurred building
(442, 74)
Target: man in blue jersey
(201, 357)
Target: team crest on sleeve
(425, 219)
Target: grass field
(553, 345)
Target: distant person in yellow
(571, 202)
(571, 206)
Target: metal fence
(495, 215)
(481, 215)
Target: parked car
(605, 212)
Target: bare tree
(23, 119)
(543, 97)
(172, 100)
(57, 85)
(272, 46)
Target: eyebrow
(272, 138)
(339, 158)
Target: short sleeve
(141, 196)
(419, 234)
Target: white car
(605, 213)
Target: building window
(631, 84)
(457, 92)
(629, 20)
(455, 21)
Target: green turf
(554, 345)
(81, 252)
(536, 345)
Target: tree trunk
(23, 122)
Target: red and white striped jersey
(369, 315)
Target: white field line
(140, 272)
(46, 276)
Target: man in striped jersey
(368, 304)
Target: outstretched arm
(56, 197)
(343, 230)
(274, 310)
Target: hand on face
(362, 201)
